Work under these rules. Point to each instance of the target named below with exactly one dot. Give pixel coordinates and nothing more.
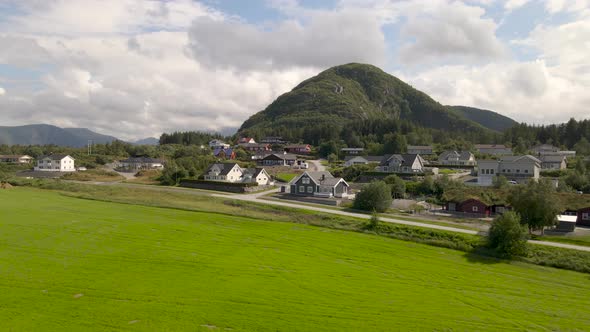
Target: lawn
(99, 175)
(286, 177)
(73, 264)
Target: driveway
(316, 165)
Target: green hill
(488, 119)
(342, 97)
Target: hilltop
(343, 97)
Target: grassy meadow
(76, 264)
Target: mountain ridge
(341, 97)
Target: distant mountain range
(42, 134)
(342, 96)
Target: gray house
(321, 184)
(553, 162)
(456, 158)
(402, 163)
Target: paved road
(255, 198)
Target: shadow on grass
(482, 255)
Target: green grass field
(74, 264)
(286, 177)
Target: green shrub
(507, 236)
(375, 196)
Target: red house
(471, 205)
(583, 217)
(298, 148)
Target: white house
(16, 159)
(352, 151)
(232, 172)
(258, 175)
(224, 172)
(141, 163)
(515, 168)
(55, 163)
(361, 160)
(218, 144)
(456, 158)
(402, 163)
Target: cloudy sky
(137, 68)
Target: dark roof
(280, 156)
(552, 158)
(142, 160)
(421, 147)
(406, 158)
(227, 152)
(55, 156)
(253, 171)
(352, 149)
(462, 155)
(297, 146)
(518, 158)
(490, 146)
(225, 167)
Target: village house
(273, 140)
(224, 153)
(56, 163)
(245, 140)
(141, 163)
(583, 217)
(493, 149)
(361, 160)
(224, 172)
(298, 148)
(401, 163)
(471, 205)
(420, 149)
(352, 151)
(258, 175)
(553, 162)
(218, 144)
(457, 158)
(278, 159)
(320, 184)
(515, 168)
(541, 149)
(255, 147)
(233, 173)
(16, 159)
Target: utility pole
(89, 147)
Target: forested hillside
(488, 119)
(361, 102)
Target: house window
(526, 170)
(585, 216)
(517, 171)
(301, 189)
(492, 171)
(310, 190)
(305, 180)
(475, 209)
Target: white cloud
(515, 4)
(324, 39)
(21, 51)
(449, 32)
(2, 91)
